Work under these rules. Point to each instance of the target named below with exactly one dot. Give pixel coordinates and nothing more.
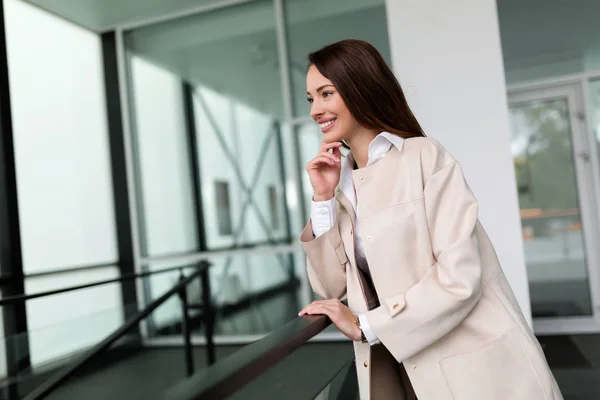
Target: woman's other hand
(324, 171)
(338, 313)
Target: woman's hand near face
(324, 171)
(338, 313)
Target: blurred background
(145, 137)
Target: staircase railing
(201, 271)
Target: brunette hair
(367, 85)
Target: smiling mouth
(327, 124)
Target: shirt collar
(377, 149)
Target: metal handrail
(23, 297)
(180, 288)
(235, 371)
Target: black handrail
(233, 372)
(180, 288)
(23, 297)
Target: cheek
(343, 112)
(348, 119)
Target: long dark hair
(367, 85)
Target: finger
(333, 145)
(337, 152)
(318, 310)
(323, 309)
(318, 162)
(313, 304)
(329, 155)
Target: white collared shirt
(323, 212)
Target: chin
(332, 137)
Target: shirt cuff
(322, 215)
(369, 334)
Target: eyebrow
(320, 88)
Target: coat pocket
(499, 371)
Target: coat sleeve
(325, 261)
(409, 322)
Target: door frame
(585, 159)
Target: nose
(316, 111)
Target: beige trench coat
(447, 312)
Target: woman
(395, 230)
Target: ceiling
(554, 37)
(104, 15)
(242, 61)
(234, 49)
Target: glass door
(557, 205)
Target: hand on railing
(338, 313)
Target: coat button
(369, 238)
(365, 363)
(414, 366)
(362, 178)
(395, 307)
(351, 231)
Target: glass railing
(55, 359)
(46, 349)
(253, 294)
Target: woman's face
(328, 109)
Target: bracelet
(363, 339)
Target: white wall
(448, 59)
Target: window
(223, 208)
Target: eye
(310, 101)
(327, 94)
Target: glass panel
(65, 341)
(62, 157)
(309, 141)
(167, 318)
(165, 190)
(311, 24)
(253, 293)
(552, 228)
(3, 363)
(244, 143)
(541, 42)
(123, 364)
(234, 78)
(54, 322)
(595, 96)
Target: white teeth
(326, 124)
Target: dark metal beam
(11, 262)
(193, 145)
(119, 172)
